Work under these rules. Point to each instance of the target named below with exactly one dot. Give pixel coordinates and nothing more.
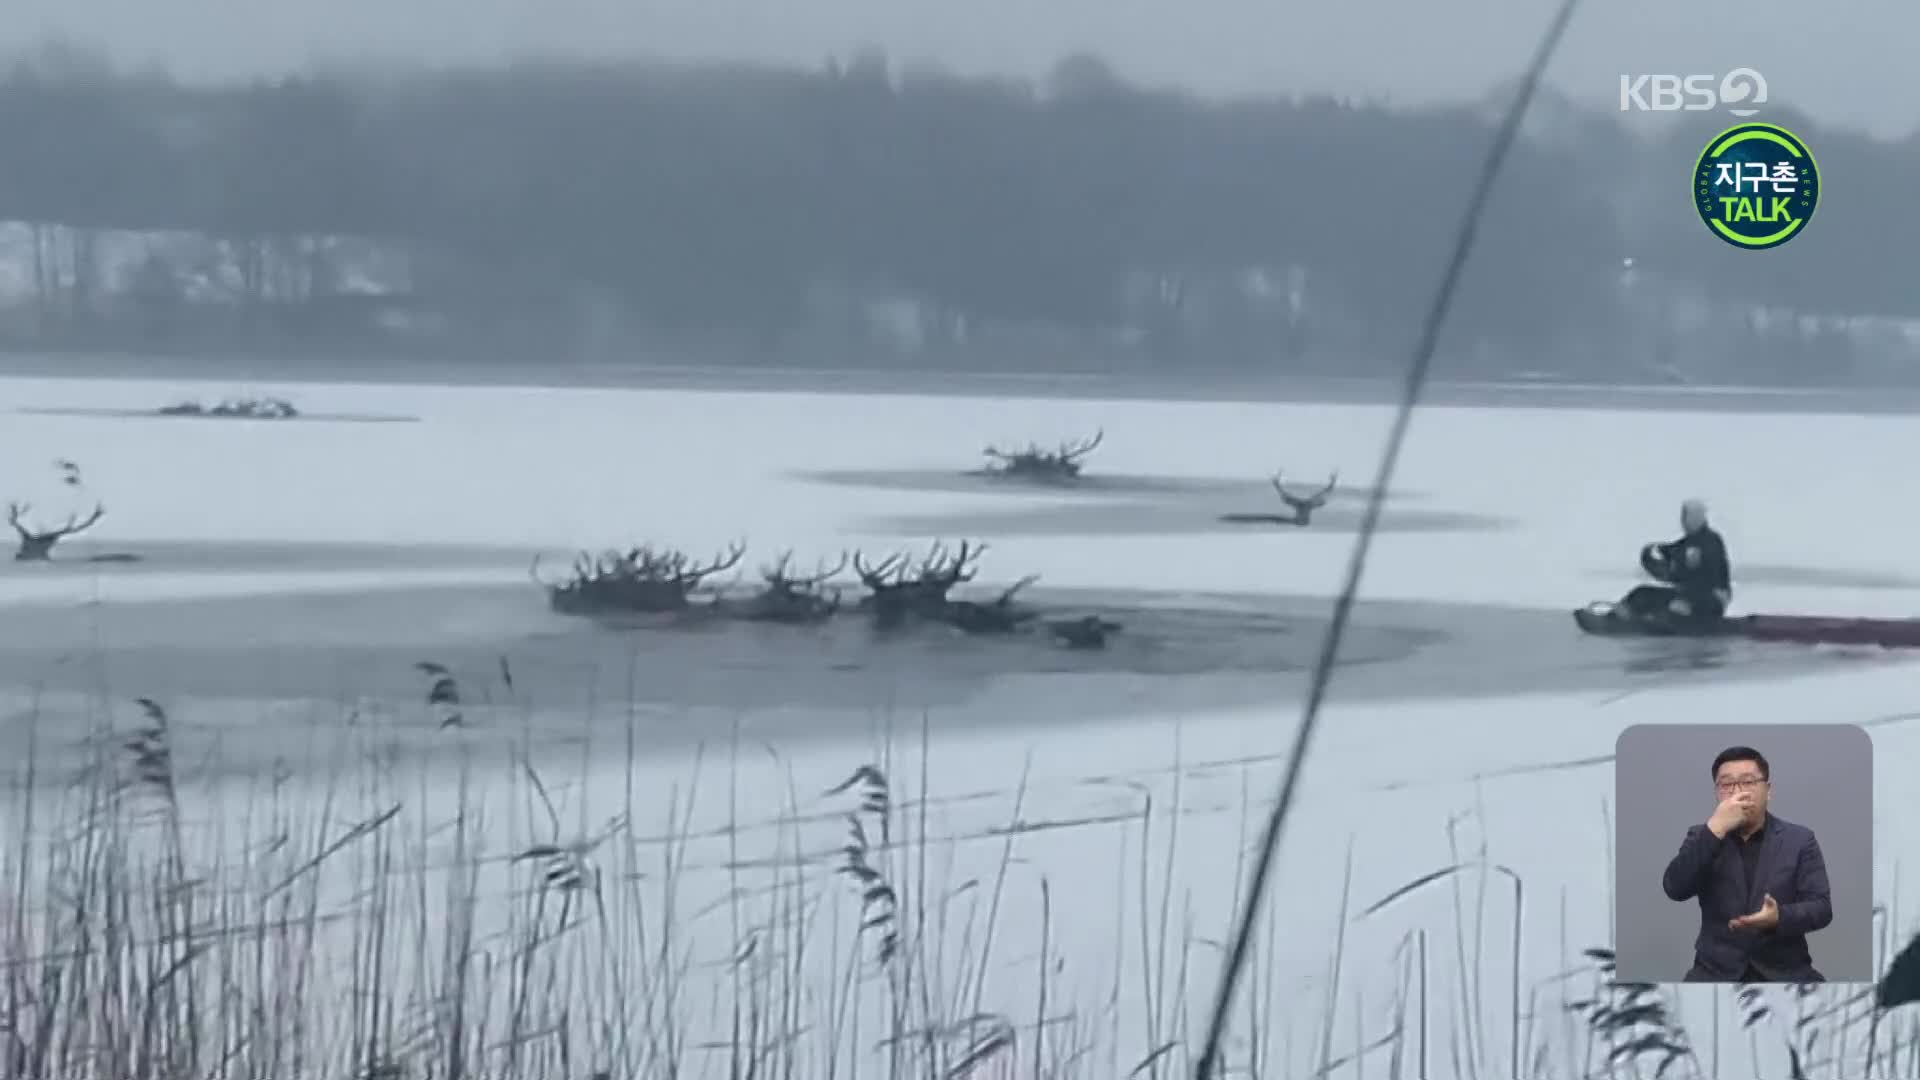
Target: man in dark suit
(1761, 882)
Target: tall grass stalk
(498, 909)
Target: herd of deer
(1064, 463)
(900, 591)
(271, 408)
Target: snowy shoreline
(226, 371)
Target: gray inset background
(1822, 778)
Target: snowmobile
(1601, 620)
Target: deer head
(941, 571)
(1305, 504)
(881, 576)
(778, 579)
(36, 545)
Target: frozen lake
(294, 574)
(1223, 386)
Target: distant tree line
(728, 201)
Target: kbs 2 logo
(1738, 91)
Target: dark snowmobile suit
(1694, 569)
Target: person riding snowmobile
(1696, 578)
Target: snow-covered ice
(1406, 787)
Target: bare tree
(1059, 465)
(36, 545)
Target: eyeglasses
(1745, 784)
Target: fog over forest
(856, 214)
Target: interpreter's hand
(1729, 814)
(1680, 607)
(1766, 918)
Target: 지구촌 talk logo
(1756, 186)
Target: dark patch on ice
(1838, 577)
(156, 414)
(1683, 656)
(70, 559)
(336, 654)
(1091, 483)
(1834, 577)
(248, 639)
(1169, 519)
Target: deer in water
(639, 580)
(1303, 506)
(793, 598)
(896, 591)
(36, 545)
(1058, 465)
(1085, 632)
(996, 616)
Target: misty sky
(1844, 61)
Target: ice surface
(1408, 788)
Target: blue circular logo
(1756, 186)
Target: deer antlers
(646, 563)
(777, 577)
(1066, 455)
(939, 570)
(1065, 452)
(1006, 596)
(689, 573)
(1075, 451)
(37, 545)
(876, 577)
(1305, 502)
(16, 511)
